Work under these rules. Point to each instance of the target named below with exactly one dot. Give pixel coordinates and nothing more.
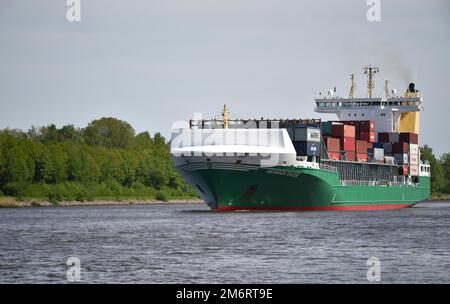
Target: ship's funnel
(411, 87)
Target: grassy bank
(12, 202)
(440, 197)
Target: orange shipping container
(343, 131)
(334, 155)
(361, 157)
(361, 146)
(348, 143)
(351, 155)
(333, 144)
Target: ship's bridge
(395, 104)
(399, 113)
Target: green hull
(226, 187)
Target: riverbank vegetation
(440, 173)
(105, 160)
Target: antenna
(370, 71)
(352, 88)
(386, 89)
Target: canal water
(187, 243)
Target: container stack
(346, 134)
(307, 140)
(333, 148)
(355, 141)
(404, 148)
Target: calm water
(188, 243)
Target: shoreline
(8, 202)
(12, 203)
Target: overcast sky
(153, 62)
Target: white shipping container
(378, 154)
(414, 170)
(307, 134)
(414, 149)
(414, 159)
(401, 158)
(389, 160)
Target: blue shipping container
(306, 148)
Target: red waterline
(317, 208)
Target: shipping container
(343, 131)
(413, 159)
(401, 158)
(377, 145)
(333, 144)
(334, 155)
(414, 149)
(350, 155)
(411, 138)
(387, 148)
(376, 154)
(403, 170)
(361, 157)
(355, 124)
(310, 134)
(390, 160)
(400, 147)
(383, 137)
(347, 143)
(361, 146)
(327, 127)
(367, 136)
(369, 145)
(393, 137)
(414, 170)
(307, 148)
(367, 126)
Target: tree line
(104, 160)
(440, 170)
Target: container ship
(366, 159)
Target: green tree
(109, 132)
(445, 162)
(437, 173)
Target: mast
(370, 71)
(386, 89)
(352, 88)
(225, 114)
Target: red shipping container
(348, 143)
(367, 136)
(403, 170)
(411, 138)
(369, 145)
(361, 157)
(343, 131)
(383, 137)
(367, 126)
(333, 144)
(361, 146)
(400, 147)
(334, 155)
